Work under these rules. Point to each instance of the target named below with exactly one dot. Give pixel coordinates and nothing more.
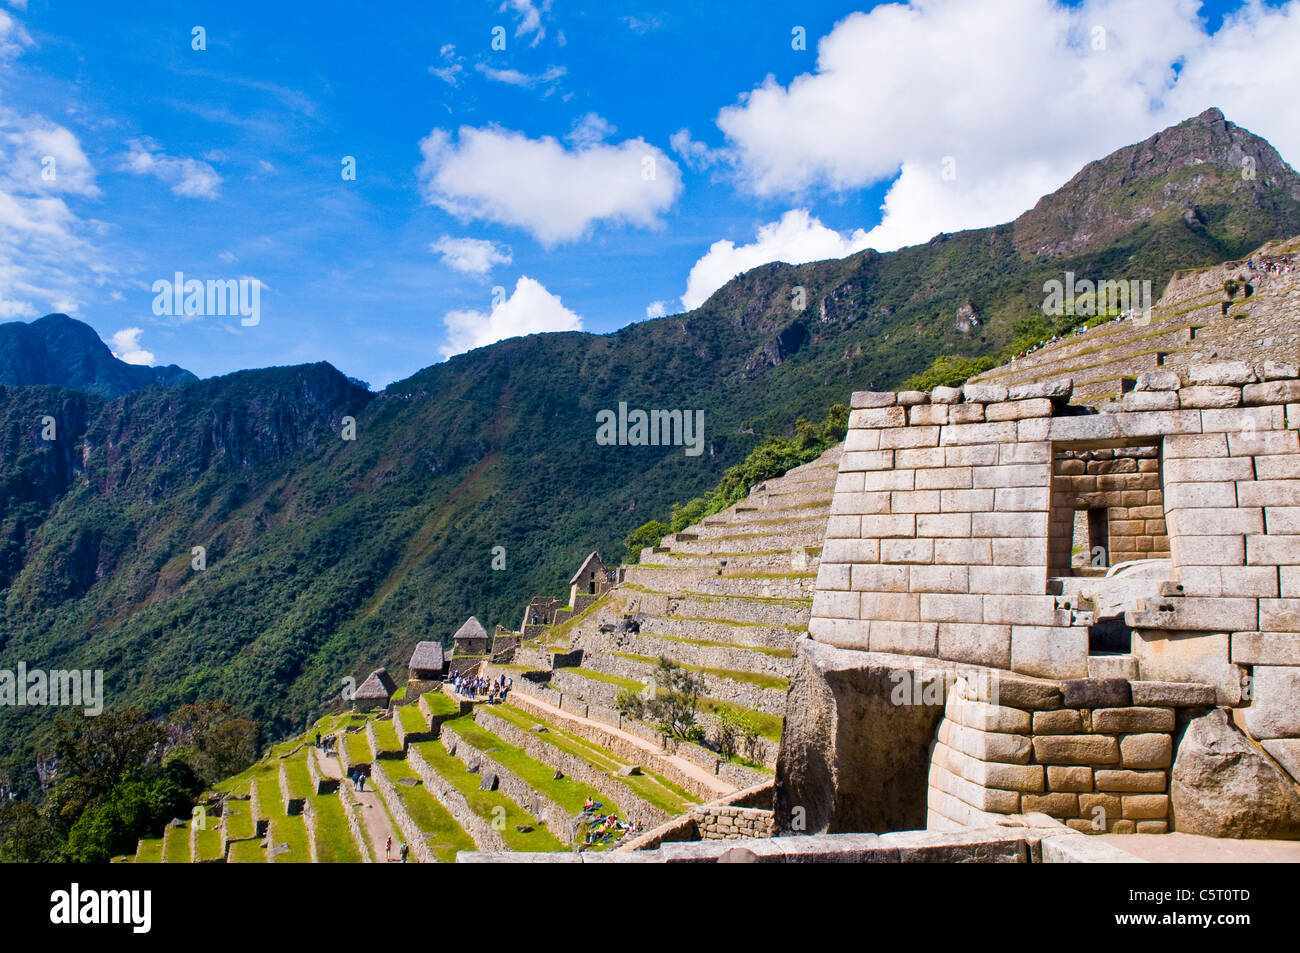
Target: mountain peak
(1205, 169)
(60, 350)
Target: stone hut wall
(949, 539)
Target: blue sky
(504, 191)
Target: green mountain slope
(326, 556)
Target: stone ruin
(1028, 607)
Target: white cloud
(512, 77)
(695, 154)
(125, 345)
(1016, 93)
(471, 256)
(589, 130)
(531, 309)
(556, 194)
(47, 258)
(797, 238)
(529, 17)
(189, 178)
(13, 37)
(656, 309)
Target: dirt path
(689, 768)
(374, 819)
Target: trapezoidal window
(1107, 507)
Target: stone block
(1146, 807)
(965, 413)
(905, 437)
(974, 643)
(1286, 752)
(965, 552)
(1006, 523)
(870, 398)
(1195, 445)
(1058, 804)
(1146, 751)
(1263, 442)
(1205, 495)
(892, 606)
(888, 480)
(1277, 467)
(1110, 806)
(914, 458)
(1266, 648)
(879, 578)
(927, 501)
(966, 434)
(1221, 373)
(939, 579)
(907, 638)
(945, 395)
(1208, 469)
(1018, 409)
(1279, 615)
(1189, 551)
(1209, 396)
(866, 460)
(1049, 651)
(1095, 692)
(1014, 475)
(1008, 579)
(1057, 390)
(1020, 498)
(911, 398)
(1149, 400)
(946, 478)
(1273, 712)
(1077, 749)
(1258, 581)
(1069, 778)
(951, 608)
(1125, 720)
(959, 501)
(1126, 781)
(1240, 420)
(858, 504)
(1172, 694)
(851, 551)
(1197, 657)
(946, 524)
(984, 393)
(1019, 551)
(906, 550)
(835, 605)
(1273, 550)
(1195, 614)
(1020, 610)
(975, 455)
(1065, 721)
(1158, 381)
(883, 526)
(1271, 392)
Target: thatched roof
(587, 563)
(472, 629)
(379, 685)
(427, 655)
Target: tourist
(388, 848)
(405, 849)
(318, 739)
(361, 777)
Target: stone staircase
(1194, 322)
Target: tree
(675, 705)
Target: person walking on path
(405, 849)
(388, 848)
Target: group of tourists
(327, 743)
(496, 689)
(603, 828)
(1269, 266)
(358, 777)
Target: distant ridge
(65, 352)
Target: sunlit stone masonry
(1025, 605)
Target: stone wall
(410, 830)
(733, 823)
(949, 537)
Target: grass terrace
(412, 718)
(176, 845)
(386, 742)
(483, 803)
(149, 851)
(566, 792)
(358, 747)
(651, 787)
(208, 844)
(445, 837)
(247, 852)
(334, 843)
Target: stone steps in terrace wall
(744, 694)
(770, 611)
(812, 533)
(763, 525)
(729, 633)
(594, 698)
(647, 748)
(730, 657)
(632, 806)
(723, 582)
(795, 559)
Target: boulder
(851, 759)
(1222, 786)
(489, 781)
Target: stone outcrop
(1224, 787)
